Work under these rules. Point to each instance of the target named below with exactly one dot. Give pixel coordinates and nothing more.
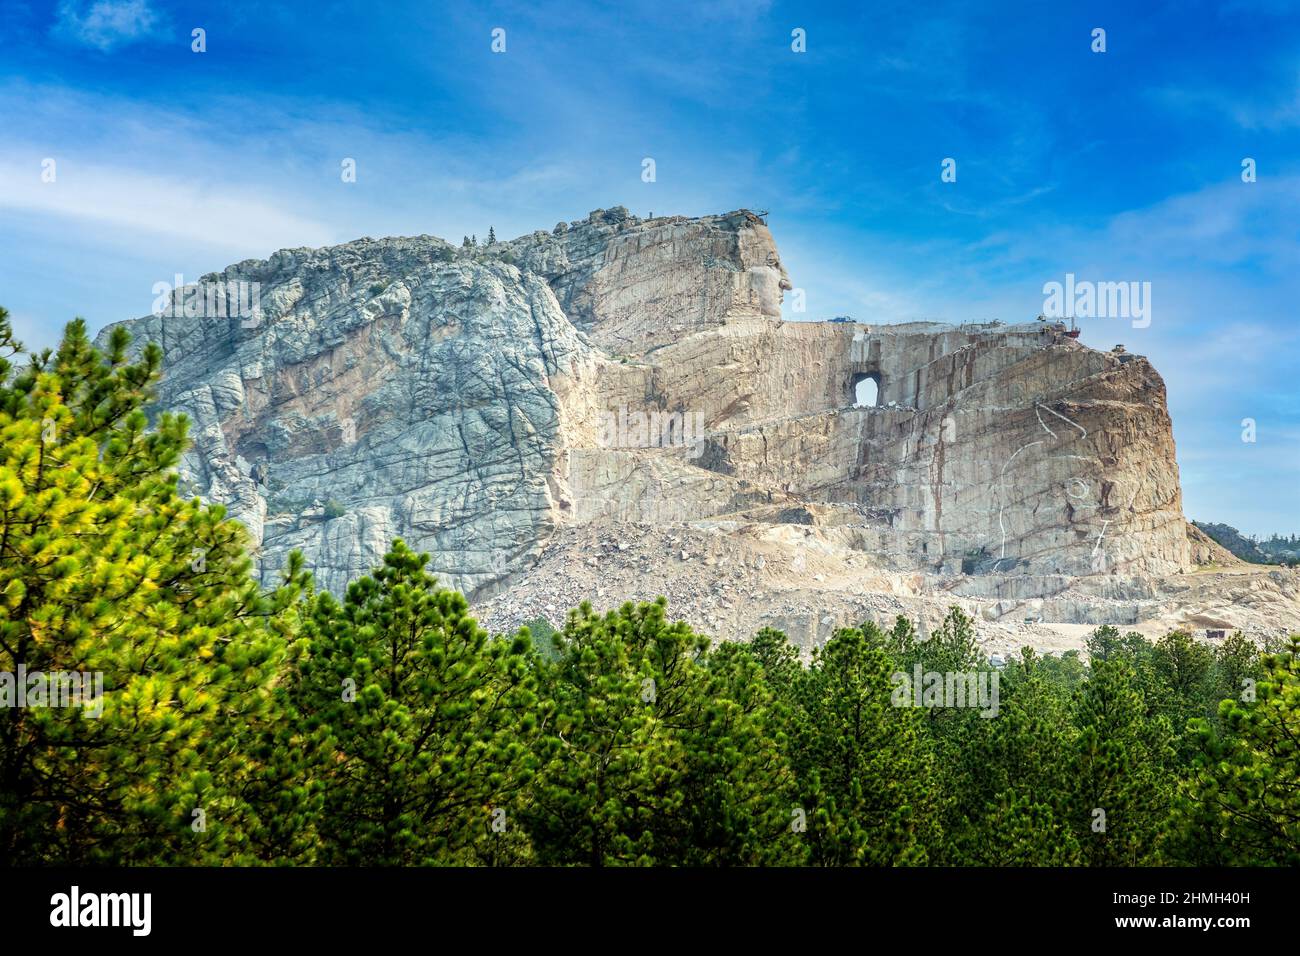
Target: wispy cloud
(107, 24)
(1271, 108)
(160, 206)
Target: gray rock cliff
(623, 375)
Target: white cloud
(106, 24)
(227, 217)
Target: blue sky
(1115, 166)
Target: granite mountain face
(615, 409)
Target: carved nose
(785, 284)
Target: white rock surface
(460, 398)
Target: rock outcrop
(509, 408)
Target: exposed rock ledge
(461, 399)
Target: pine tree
(1183, 685)
(740, 789)
(1016, 797)
(658, 755)
(492, 236)
(1242, 805)
(614, 774)
(779, 660)
(109, 573)
(1238, 665)
(953, 734)
(1123, 759)
(866, 775)
(1106, 643)
(430, 719)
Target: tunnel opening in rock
(866, 390)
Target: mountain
(1274, 549)
(615, 409)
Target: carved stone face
(774, 262)
(767, 283)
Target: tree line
(251, 725)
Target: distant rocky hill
(1234, 541)
(616, 405)
(1274, 550)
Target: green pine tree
(1241, 806)
(1123, 762)
(1016, 796)
(1183, 671)
(108, 572)
(865, 771)
(430, 719)
(659, 754)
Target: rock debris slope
(614, 409)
